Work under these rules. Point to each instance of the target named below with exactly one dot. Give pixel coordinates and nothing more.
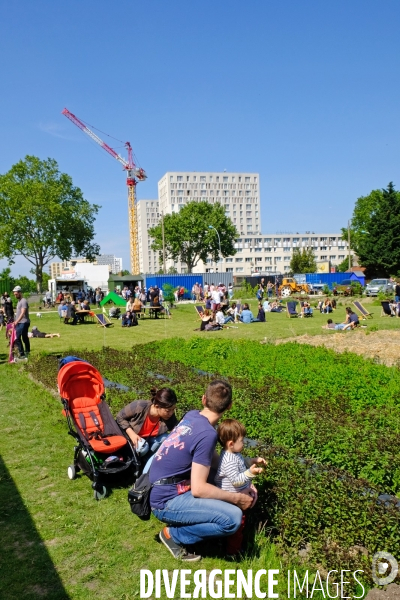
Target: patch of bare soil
(382, 346)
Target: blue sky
(303, 92)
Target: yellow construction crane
(133, 175)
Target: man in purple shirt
(182, 497)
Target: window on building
(341, 257)
(180, 192)
(259, 259)
(248, 259)
(229, 270)
(247, 179)
(187, 177)
(239, 269)
(210, 177)
(333, 256)
(194, 178)
(217, 178)
(202, 178)
(225, 178)
(179, 178)
(287, 249)
(239, 259)
(171, 177)
(324, 257)
(229, 259)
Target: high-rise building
(111, 260)
(147, 216)
(239, 193)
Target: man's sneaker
(20, 359)
(176, 550)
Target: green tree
(375, 231)
(188, 237)
(125, 272)
(303, 261)
(43, 215)
(6, 274)
(344, 265)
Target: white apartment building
(148, 215)
(239, 193)
(272, 253)
(111, 260)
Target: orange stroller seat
(86, 414)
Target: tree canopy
(375, 232)
(188, 237)
(43, 215)
(303, 261)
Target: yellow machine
(290, 286)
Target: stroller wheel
(71, 472)
(100, 493)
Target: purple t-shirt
(192, 440)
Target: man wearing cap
(21, 325)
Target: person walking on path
(21, 325)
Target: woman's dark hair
(164, 397)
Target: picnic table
(85, 314)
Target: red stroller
(102, 451)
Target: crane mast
(133, 175)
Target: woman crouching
(148, 422)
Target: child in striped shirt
(235, 473)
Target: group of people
(197, 493)
(210, 292)
(74, 312)
(17, 325)
(137, 302)
(351, 322)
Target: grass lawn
(57, 542)
(183, 323)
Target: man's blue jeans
(21, 331)
(192, 520)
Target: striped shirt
(233, 474)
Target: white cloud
(56, 130)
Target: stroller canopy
(80, 379)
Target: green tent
(114, 298)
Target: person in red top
(148, 422)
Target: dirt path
(384, 346)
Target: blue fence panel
(331, 278)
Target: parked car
(347, 287)
(317, 288)
(379, 285)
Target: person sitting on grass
(221, 319)
(276, 307)
(352, 320)
(206, 318)
(246, 315)
(326, 307)
(235, 473)
(40, 334)
(261, 313)
(306, 309)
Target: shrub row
(329, 456)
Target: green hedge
(328, 425)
